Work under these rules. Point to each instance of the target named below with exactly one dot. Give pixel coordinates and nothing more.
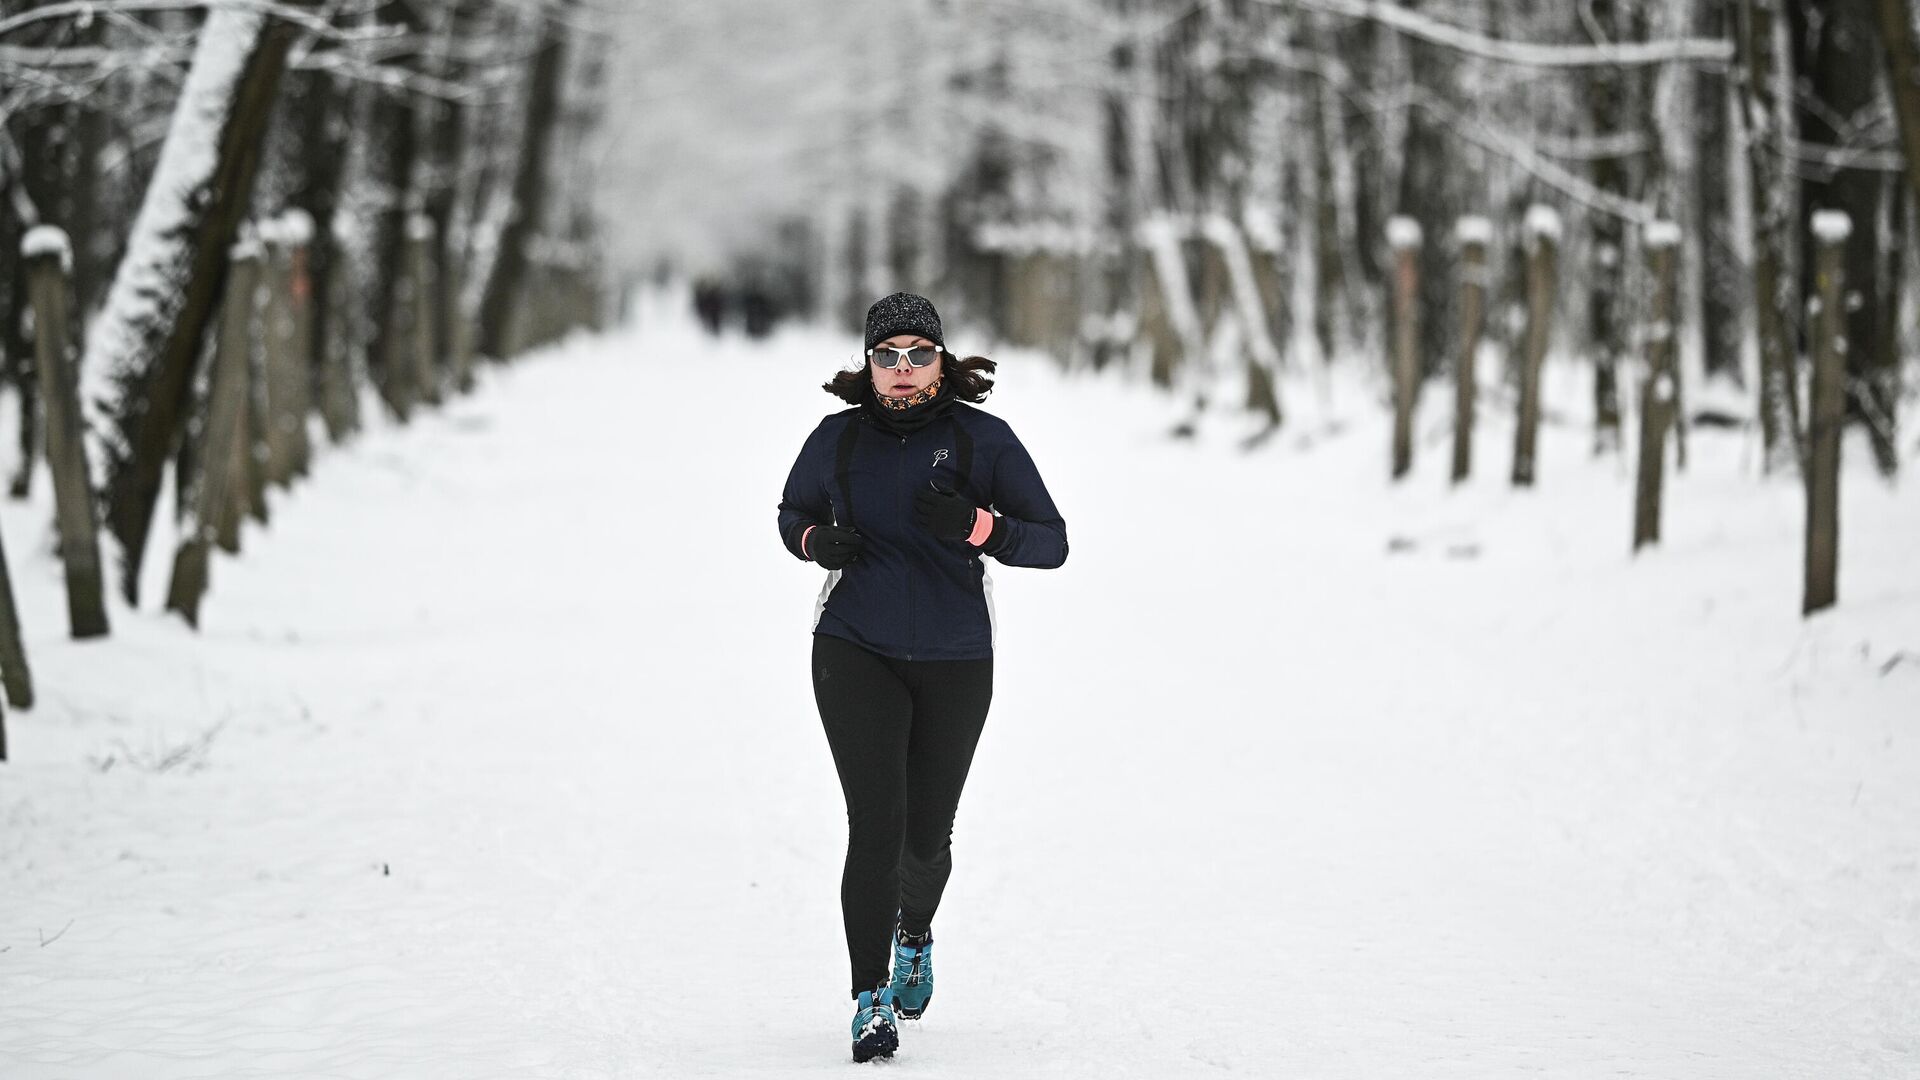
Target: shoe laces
(877, 1015)
(915, 957)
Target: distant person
(710, 304)
(898, 498)
(756, 310)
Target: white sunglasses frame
(900, 354)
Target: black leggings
(902, 733)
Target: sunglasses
(918, 356)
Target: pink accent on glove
(982, 527)
(803, 541)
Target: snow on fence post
(420, 295)
(1404, 237)
(1827, 409)
(1543, 250)
(48, 258)
(213, 501)
(1475, 235)
(1657, 395)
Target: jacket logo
(939, 456)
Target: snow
(1030, 237)
(1160, 237)
(1474, 231)
(1543, 222)
(497, 757)
(1415, 24)
(146, 291)
(1832, 226)
(1403, 234)
(297, 226)
(420, 227)
(48, 240)
(1662, 235)
(1261, 221)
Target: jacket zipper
(900, 488)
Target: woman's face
(905, 379)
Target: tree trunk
(393, 149)
(1775, 304)
(1882, 391)
(143, 349)
(500, 313)
(1725, 291)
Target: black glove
(944, 513)
(833, 546)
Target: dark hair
(970, 377)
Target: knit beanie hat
(903, 313)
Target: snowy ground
(497, 757)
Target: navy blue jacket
(911, 595)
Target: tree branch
(1707, 51)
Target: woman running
(898, 498)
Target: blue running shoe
(912, 973)
(874, 1032)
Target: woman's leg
(950, 699)
(867, 712)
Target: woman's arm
(1027, 528)
(803, 502)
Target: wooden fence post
(47, 256)
(1657, 390)
(218, 488)
(339, 399)
(1403, 236)
(235, 347)
(14, 673)
(1475, 234)
(1827, 412)
(296, 226)
(459, 324)
(1543, 251)
(276, 465)
(421, 294)
(254, 453)
(287, 334)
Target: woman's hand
(832, 546)
(946, 514)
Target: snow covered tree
(143, 350)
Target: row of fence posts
(1661, 393)
(263, 386)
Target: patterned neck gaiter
(905, 415)
(918, 397)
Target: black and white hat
(903, 313)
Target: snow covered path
(498, 757)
